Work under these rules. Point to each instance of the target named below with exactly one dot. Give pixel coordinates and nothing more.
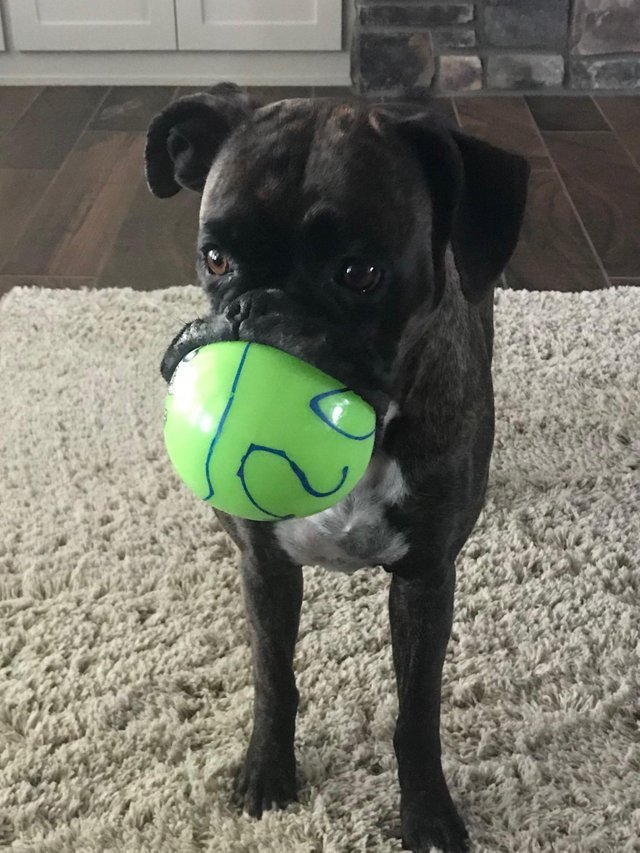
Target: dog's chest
(355, 533)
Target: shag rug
(125, 681)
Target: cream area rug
(125, 681)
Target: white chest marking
(354, 533)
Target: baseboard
(166, 80)
(176, 68)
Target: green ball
(260, 434)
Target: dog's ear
(183, 140)
(479, 194)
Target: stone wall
(402, 48)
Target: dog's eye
(359, 276)
(217, 262)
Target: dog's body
(303, 200)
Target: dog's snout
(196, 334)
(234, 322)
(239, 308)
(258, 309)
(236, 314)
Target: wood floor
(74, 209)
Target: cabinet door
(259, 24)
(94, 25)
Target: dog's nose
(252, 306)
(235, 313)
(240, 306)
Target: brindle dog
(365, 239)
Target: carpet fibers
(125, 683)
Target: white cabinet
(259, 24)
(204, 25)
(93, 24)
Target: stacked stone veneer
(402, 48)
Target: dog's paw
(427, 825)
(264, 782)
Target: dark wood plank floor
(75, 212)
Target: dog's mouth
(305, 331)
(272, 318)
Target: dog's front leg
(420, 611)
(272, 590)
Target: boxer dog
(365, 239)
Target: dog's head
(327, 218)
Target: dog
(365, 239)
